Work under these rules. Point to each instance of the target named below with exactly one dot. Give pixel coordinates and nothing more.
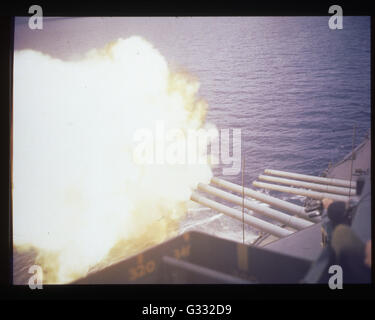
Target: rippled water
(293, 86)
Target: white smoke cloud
(76, 190)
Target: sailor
(347, 230)
(352, 244)
(334, 214)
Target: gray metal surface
(304, 244)
(361, 224)
(361, 162)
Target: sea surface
(295, 88)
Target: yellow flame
(78, 197)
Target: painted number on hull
(142, 270)
(182, 252)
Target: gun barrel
(312, 186)
(275, 202)
(252, 221)
(301, 192)
(287, 219)
(305, 177)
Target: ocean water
(294, 87)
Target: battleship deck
(307, 243)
